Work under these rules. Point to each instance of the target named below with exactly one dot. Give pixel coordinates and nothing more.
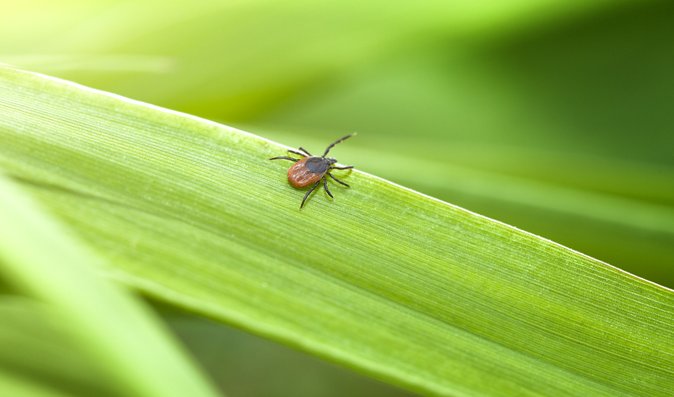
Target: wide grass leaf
(388, 281)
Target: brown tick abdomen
(299, 175)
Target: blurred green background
(553, 116)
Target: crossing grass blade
(119, 337)
(383, 279)
(39, 356)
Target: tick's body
(308, 171)
(311, 170)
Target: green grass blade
(14, 386)
(383, 279)
(36, 345)
(114, 329)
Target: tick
(312, 170)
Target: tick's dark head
(331, 161)
(317, 165)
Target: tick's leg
(308, 193)
(305, 151)
(346, 167)
(338, 181)
(325, 186)
(336, 142)
(284, 158)
(297, 153)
